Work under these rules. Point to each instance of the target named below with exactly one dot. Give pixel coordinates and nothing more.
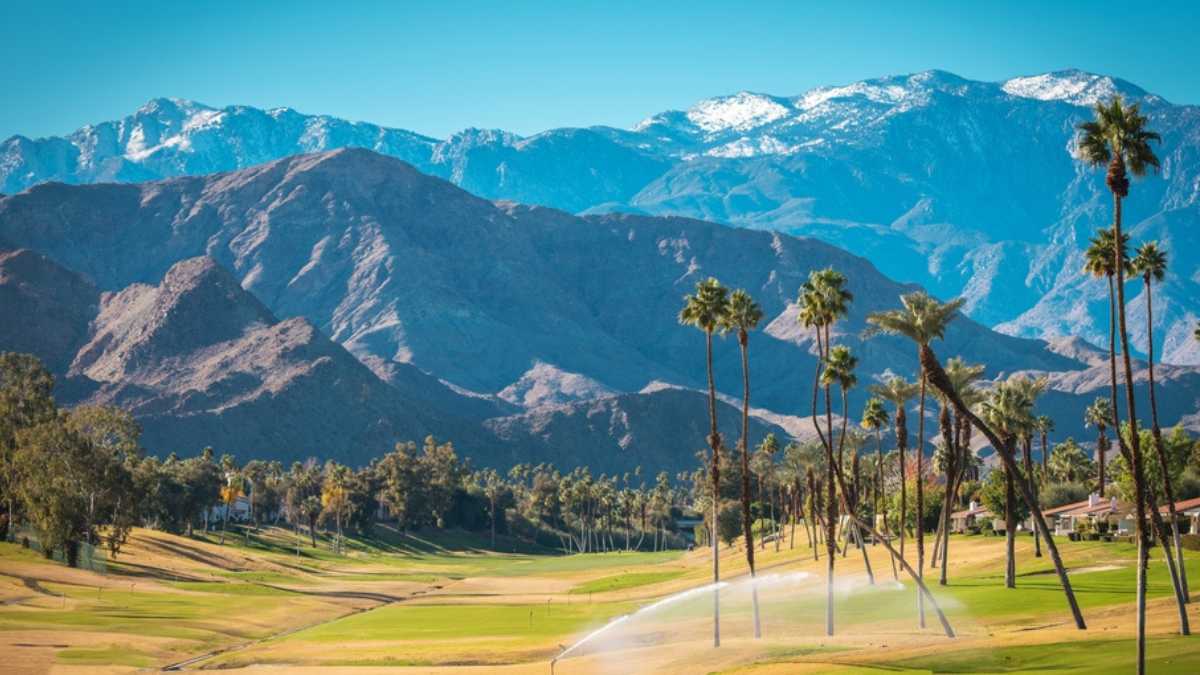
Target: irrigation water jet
(767, 580)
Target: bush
(1058, 494)
(1191, 542)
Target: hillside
(965, 187)
(470, 310)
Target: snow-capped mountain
(966, 187)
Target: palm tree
(923, 319)
(1099, 414)
(823, 300)
(1068, 462)
(839, 369)
(704, 310)
(742, 315)
(962, 376)
(875, 418)
(1032, 388)
(898, 392)
(1118, 138)
(1007, 410)
(1151, 263)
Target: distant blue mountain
(968, 188)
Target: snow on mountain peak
(740, 112)
(1070, 86)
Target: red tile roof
(1065, 507)
(1180, 506)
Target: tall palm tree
(898, 392)
(823, 300)
(875, 418)
(1151, 263)
(742, 315)
(956, 448)
(704, 310)
(1120, 139)
(839, 369)
(1007, 410)
(1099, 414)
(923, 319)
(920, 320)
(1032, 388)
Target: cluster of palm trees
(1118, 139)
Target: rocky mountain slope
(965, 187)
(514, 330)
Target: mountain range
(334, 303)
(967, 188)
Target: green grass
(1163, 655)
(619, 582)
(229, 588)
(463, 622)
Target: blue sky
(527, 66)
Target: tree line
(79, 476)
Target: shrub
(1057, 494)
(1191, 542)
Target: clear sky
(438, 67)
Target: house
(238, 511)
(962, 521)
(1188, 512)
(1061, 527)
(1116, 515)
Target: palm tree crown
(705, 308)
(1099, 413)
(742, 314)
(923, 318)
(895, 390)
(875, 416)
(1118, 137)
(823, 298)
(1150, 262)
(839, 368)
(1098, 258)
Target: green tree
(26, 400)
(1069, 463)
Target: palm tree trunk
(1027, 443)
(1010, 532)
(854, 526)
(743, 343)
(937, 376)
(1112, 370)
(714, 442)
(901, 446)
(1139, 476)
(921, 503)
(1168, 488)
